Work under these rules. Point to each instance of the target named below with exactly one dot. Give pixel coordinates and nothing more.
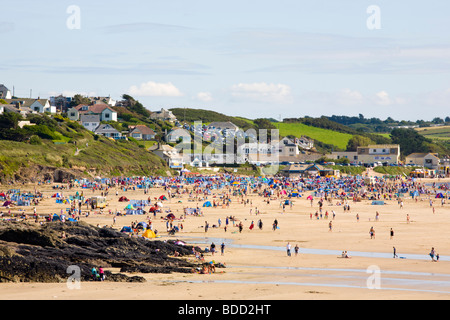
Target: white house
(163, 114)
(4, 92)
(42, 105)
(105, 112)
(90, 121)
(107, 131)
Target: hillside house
(4, 92)
(163, 114)
(142, 132)
(105, 112)
(90, 121)
(107, 131)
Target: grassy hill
(436, 133)
(323, 135)
(68, 147)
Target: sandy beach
(257, 264)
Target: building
(90, 121)
(177, 134)
(220, 126)
(385, 153)
(169, 154)
(142, 132)
(288, 148)
(61, 103)
(258, 153)
(105, 112)
(32, 105)
(427, 160)
(4, 92)
(163, 114)
(107, 131)
(308, 170)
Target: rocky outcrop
(34, 253)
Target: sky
(249, 58)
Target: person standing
(296, 250)
(288, 249)
(391, 233)
(222, 248)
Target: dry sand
(257, 264)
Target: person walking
(395, 252)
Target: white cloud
(382, 98)
(266, 92)
(154, 89)
(349, 97)
(204, 96)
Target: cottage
(169, 154)
(107, 131)
(105, 112)
(90, 121)
(164, 115)
(4, 92)
(142, 132)
(427, 160)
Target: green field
(436, 133)
(326, 136)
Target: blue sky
(285, 58)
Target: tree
(358, 141)
(410, 141)
(79, 99)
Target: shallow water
(409, 281)
(229, 243)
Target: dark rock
(35, 253)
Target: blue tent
(56, 217)
(207, 204)
(126, 229)
(141, 225)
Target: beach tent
(130, 207)
(414, 194)
(141, 225)
(71, 220)
(163, 197)
(126, 229)
(207, 204)
(152, 209)
(439, 196)
(123, 199)
(56, 217)
(159, 204)
(170, 216)
(7, 203)
(149, 234)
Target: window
(106, 115)
(72, 114)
